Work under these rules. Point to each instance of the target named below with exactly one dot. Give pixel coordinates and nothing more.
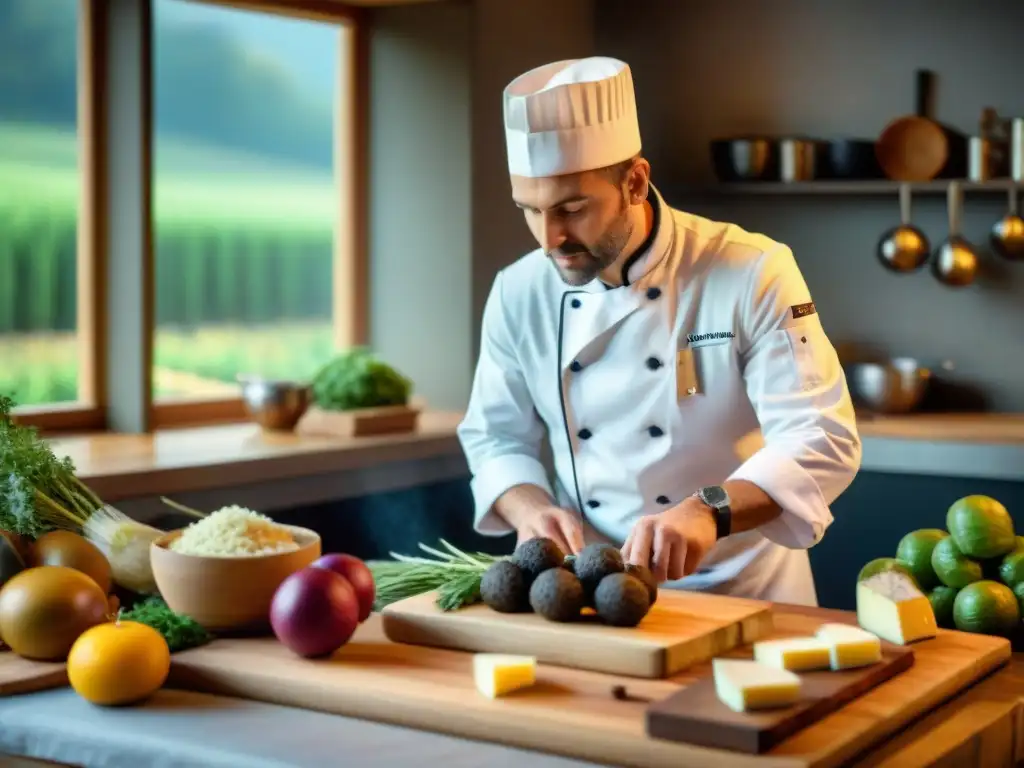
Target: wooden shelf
(175, 461)
(851, 188)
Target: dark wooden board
(696, 716)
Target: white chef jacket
(709, 364)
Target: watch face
(714, 496)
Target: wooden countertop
(981, 428)
(118, 466)
(981, 726)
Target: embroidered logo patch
(706, 339)
(803, 310)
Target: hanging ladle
(955, 262)
(904, 248)
(1007, 236)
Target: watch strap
(723, 521)
(716, 498)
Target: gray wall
(841, 68)
(537, 32)
(419, 169)
(442, 221)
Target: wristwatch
(716, 497)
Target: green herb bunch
(38, 491)
(356, 378)
(180, 631)
(455, 575)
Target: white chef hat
(571, 116)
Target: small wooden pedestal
(359, 422)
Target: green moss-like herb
(38, 491)
(180, 632)
(358, 379)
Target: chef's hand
(672, 543)
(555, 523)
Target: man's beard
(592, 260)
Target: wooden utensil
(696, 716)
(681, 629)
(569, 711)
(955, 262)
(1007, 237)
(916, 147)
(904, 248)
(18, 675)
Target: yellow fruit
(119, 663)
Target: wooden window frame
(87, 413)
(350, 267)
(350, 289)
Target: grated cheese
(234, 531)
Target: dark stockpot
(849, 159)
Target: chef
(696, 413)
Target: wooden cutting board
(695, 715)
(18, 675)
(681, 629)
(568, 712)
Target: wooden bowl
(228, 594)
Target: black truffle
(644, 574)
(594, 563)
(557, 595)
(621, 600)
(534, 556)
(503, 588)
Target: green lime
(981, 527)
(1019, 592)
(942, 598)
(915, 551)
(880, 564)
(986, 608)
(953, 568)
(1011, 568)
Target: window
(251, 115)
(46, 340)
(252, 151)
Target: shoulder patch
(803, 310)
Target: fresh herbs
(455, 575)
(180, 632)
(38, 491)
(356, 378)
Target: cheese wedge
(890, 605)
(797, 654)
(497, 674)
(744, 685)
(850, 646)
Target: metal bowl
(274, 404)
(896, 386)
